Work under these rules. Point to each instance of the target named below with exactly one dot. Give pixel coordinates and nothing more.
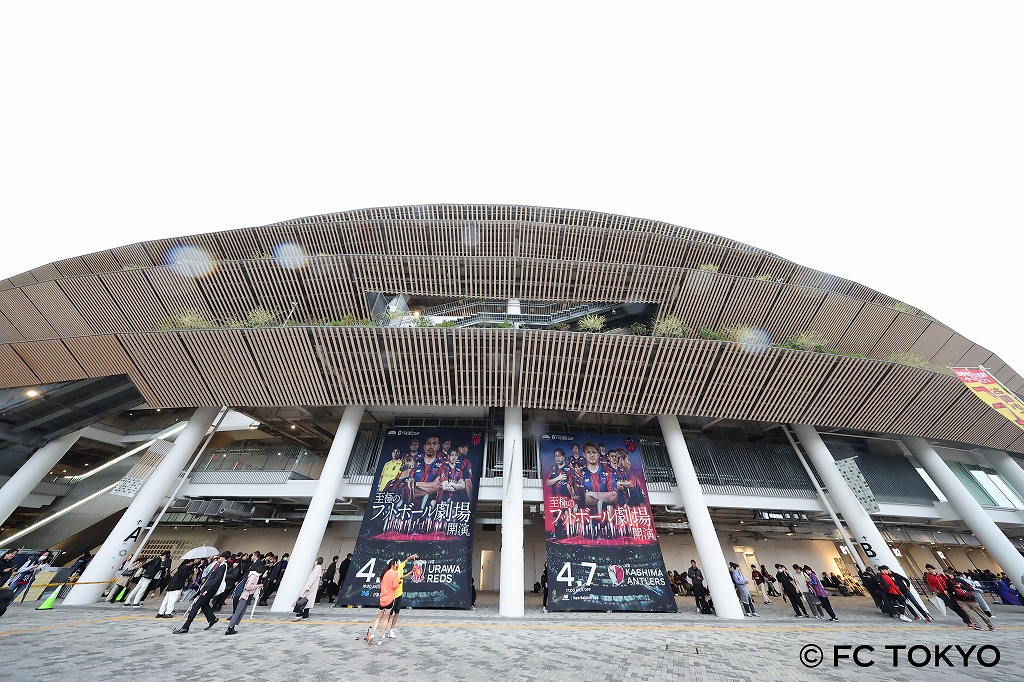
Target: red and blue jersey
(461, 471)
(425, 473)
(599, 481)
(561, 488)
(633, 495)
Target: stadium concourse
(104, 642)
(494, 388)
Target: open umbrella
(201, 552)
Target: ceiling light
(31, 393)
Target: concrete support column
(976, 518)
(712, 559)
(1008, 469)
(512, 595)
(128, 530)
(864, 531)
(20, 485)
(314, 525)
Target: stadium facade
(239, 386)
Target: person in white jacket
(311, 587)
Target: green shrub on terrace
(639, 328)
(447, 324)
(422, 321)
(260, 317)
(711, 335)
(591, 323)
(708, 267)
(910, 359)
(764, 278)
(670, 326)
(190, 319)
(904, 308)
(812, 341)
(561, 326)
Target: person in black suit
(211, 586)
(328, 586)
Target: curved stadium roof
(113, 312)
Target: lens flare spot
(754, 340)
(190, 261)
(290, 256)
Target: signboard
(855, 481)
(992, 393)
(423, 501)
(602, 548)
(133, 481)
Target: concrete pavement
(106, 642)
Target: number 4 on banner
(565, 575)
(368, 571)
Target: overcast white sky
(878, 141)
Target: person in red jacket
(893, 593)
(937, 586)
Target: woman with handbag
(121, 583)
(307, 597)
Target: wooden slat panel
(901, 337)
(135, 299)
(19, 311)
(164, 364)
(867, 329)
(849, 385)
(95, 304)
(103, 356)
(14, 373)
(57, 309)
(50, 361)
(226, 366)
(45, 272)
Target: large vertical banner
(992, 393)
(423, 501)
(603, 551)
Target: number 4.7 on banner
(565, 575)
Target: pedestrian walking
(741, 582)
(309, 590)
(815, 586)
(245, 591)
(791, 590)
(212, 585)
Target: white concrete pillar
(20, 485)
(865, 533)
(705, 537)
(511, 585)
(314, 525)
(128, 530)
(976, 518)
(1008, 469)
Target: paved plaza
(106, 642)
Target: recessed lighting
(293, 426)
(32, 393)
